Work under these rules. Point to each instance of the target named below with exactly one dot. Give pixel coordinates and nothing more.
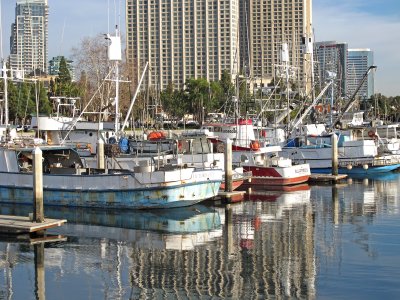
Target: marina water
(315, 242)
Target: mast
(5, 95)
(115, 56)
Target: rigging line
(270, 96)
(1, 32)
(62, 38)
(108, 15)
(119, 15)
(115, 12)
(86, 106)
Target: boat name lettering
(220, 129)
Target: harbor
(197, 150)
(312, 240)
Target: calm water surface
(318, 242)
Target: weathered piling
(228, 166)
(38, 213)
(335, 162)
(100, 154)
(39, 271)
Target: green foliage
(63, 85)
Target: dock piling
(100, 154)
(335, 163)
(228, 166)
(38, 214)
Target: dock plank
(326, 177)
(20, 224)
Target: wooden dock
(18, 224)
(326, 178)
(230, 197)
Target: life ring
(254, 145)
(371, 134)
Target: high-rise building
(54, 66)
(182, 39)
(331, 57)
(271, 24)
(358, 62)
(29, 36)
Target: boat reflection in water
(182, 228)
(194, 252)
(277, 244)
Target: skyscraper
(29, 36)
(359, 60)
(270, 24)
(331, 56)
(182, 39)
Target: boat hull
(120, 191)
(276, 176)
(358, 170)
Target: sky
(373, 24)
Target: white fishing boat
(268, 168)
(358, 153)
(67, 183)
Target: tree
(44, 103)
(64, 80)
(97, 75)
(227, 85)
(198, 91)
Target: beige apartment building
(270, 24)
(182, 39)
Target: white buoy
(365, 167)
(349, 167)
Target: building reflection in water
(266, 249)
(267, 246)
(356, 202)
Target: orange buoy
(254, 145)
(156, 135)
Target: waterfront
(319, 242)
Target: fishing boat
(268, 168)
(358, 153)
(67, 183)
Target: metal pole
(38, 215)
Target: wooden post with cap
(335, 162)
(228, 166)
(38, 213)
